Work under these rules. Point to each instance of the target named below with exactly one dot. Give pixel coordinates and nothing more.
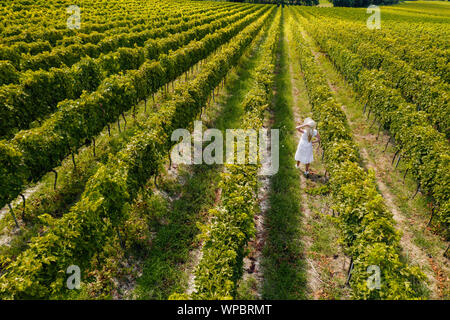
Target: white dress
(304, 152)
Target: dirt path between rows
(316, 263)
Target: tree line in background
(281, 2)
(336, 3)
(361, 3)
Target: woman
(304, 152)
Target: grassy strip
(283, 264)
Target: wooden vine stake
(374, 120)
(387, 143)
(56, 178)
(349, 273)
(404, 176)
(379, 129)
(120, 239)
(125, 119)
(24, 203)
(398, 161)
(13, 215)
(156, 183)
(417, 191)
(73, 161)
(395, 156)
(432, 214)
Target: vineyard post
(73, 160)
(374, 120)
(349, 273)
(120, 239)
(395, 156)
(13, 215)
(404, 176)
(56, 178)
(379, 129)
(118, 124)
(432, 214)
(156, 184)
(390, 137)
(109, 130)
(417, 191)
(125, 120)
(24, 203)
(398, 161)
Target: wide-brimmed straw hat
(310, 122)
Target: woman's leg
(307, 167)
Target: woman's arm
(299, 128)
(318, 138)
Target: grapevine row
(232, 224)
